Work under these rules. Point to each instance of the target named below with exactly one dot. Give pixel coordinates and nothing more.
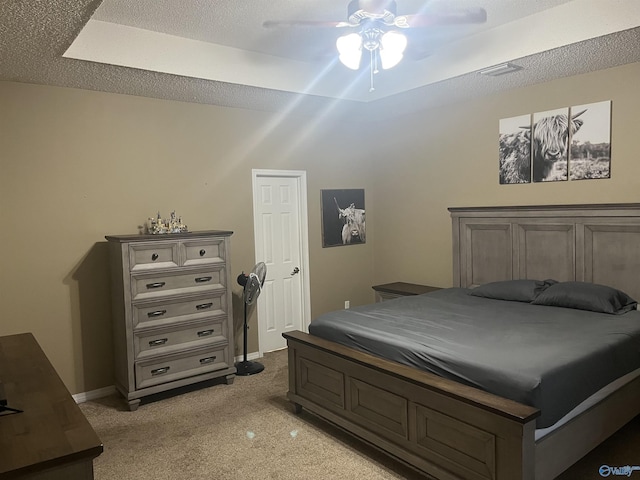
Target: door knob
(295, 270)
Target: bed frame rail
(440, 427)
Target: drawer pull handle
(155, 343)
(155, 285)
(203, 252)
(157, 313)
(203, 279)
(206, 360)
(154, 256)
(204, 306)
(160, 371)
(205, 333)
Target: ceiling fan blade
(458, 17)
(304, 23)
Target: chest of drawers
(172, 314)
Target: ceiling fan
(384, 11)
(378, 31)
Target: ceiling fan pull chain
(371, 59)
(376, 56)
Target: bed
(443, 421)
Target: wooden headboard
(588, 243)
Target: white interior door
(280, 224)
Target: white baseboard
(250, 356)
(106, 391)
(93, 394)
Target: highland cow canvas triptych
(571, 143)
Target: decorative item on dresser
(388, 291)
(172, 311)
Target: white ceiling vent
(501, 69)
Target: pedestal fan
(252, 285)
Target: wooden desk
(400, 289)
(51, 439)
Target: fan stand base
(248, 368)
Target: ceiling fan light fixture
(378, 33)
(392, 46)
(350, 50)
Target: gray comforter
(548, 357)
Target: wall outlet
(347, 304)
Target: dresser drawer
(157, 314)
(151, 286)
(153, 255)
(203, 251)
(154, 342)
(174, 367)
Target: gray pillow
(512, 290)
(586, 296)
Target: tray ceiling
(218, 52)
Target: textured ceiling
(217, 52)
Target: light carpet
(248, 430)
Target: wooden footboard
(440, 427)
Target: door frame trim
(301, 178)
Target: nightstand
(388, 291)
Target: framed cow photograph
(590, 152)
(343, 220)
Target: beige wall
(77, 165)
(449, 157)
